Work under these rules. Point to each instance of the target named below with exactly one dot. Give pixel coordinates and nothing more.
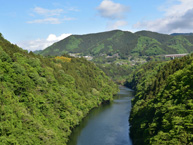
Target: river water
(107, 124)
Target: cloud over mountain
(177, 18)
(116, 24)
(114, 12)
(40, 44)
(109, 9)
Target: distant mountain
(37, 51)
(122, 43)
(184, 34)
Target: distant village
(78, 56)
(130, 60)
(120, 62)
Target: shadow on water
(107, 124)
(77, 131)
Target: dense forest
(162, 111)
(123, 43)
(118, 52)
(43, 98)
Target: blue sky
(36, 24)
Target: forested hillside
(162, 110)
(42, 99)
(123, 43)
(118, 52)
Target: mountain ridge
(185, 34)
(123, 43)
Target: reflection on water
(106, 125)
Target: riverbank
(107, 124)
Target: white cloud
(41, 44)
(177, 18)
(116, 25)
(47, 12)
(48, 16)
(54, 38)
(50, 20)
(46, 21)
(109, 9)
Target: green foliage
(162, 109)
(179, 43)
(4, 56)
(108, 47)
(148, 46)
(42, 99)
(97, 49)
(73, 43)
(143, 43)
(118, 73)
(95, 44)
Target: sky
(37, 24)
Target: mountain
(122, 44)
(162, 111)
(42, 99)
(37, 51)
(184, 34)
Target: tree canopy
(162, 110)
(43, 98)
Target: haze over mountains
(123, 43)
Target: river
(107, 124)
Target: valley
(118, 53)
(100, 72)
(109, 122)
(44, 99)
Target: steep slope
(171, 44)
(162, 38)
(162, 110)
(123, 43)
(42, 99)
(94, 44)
